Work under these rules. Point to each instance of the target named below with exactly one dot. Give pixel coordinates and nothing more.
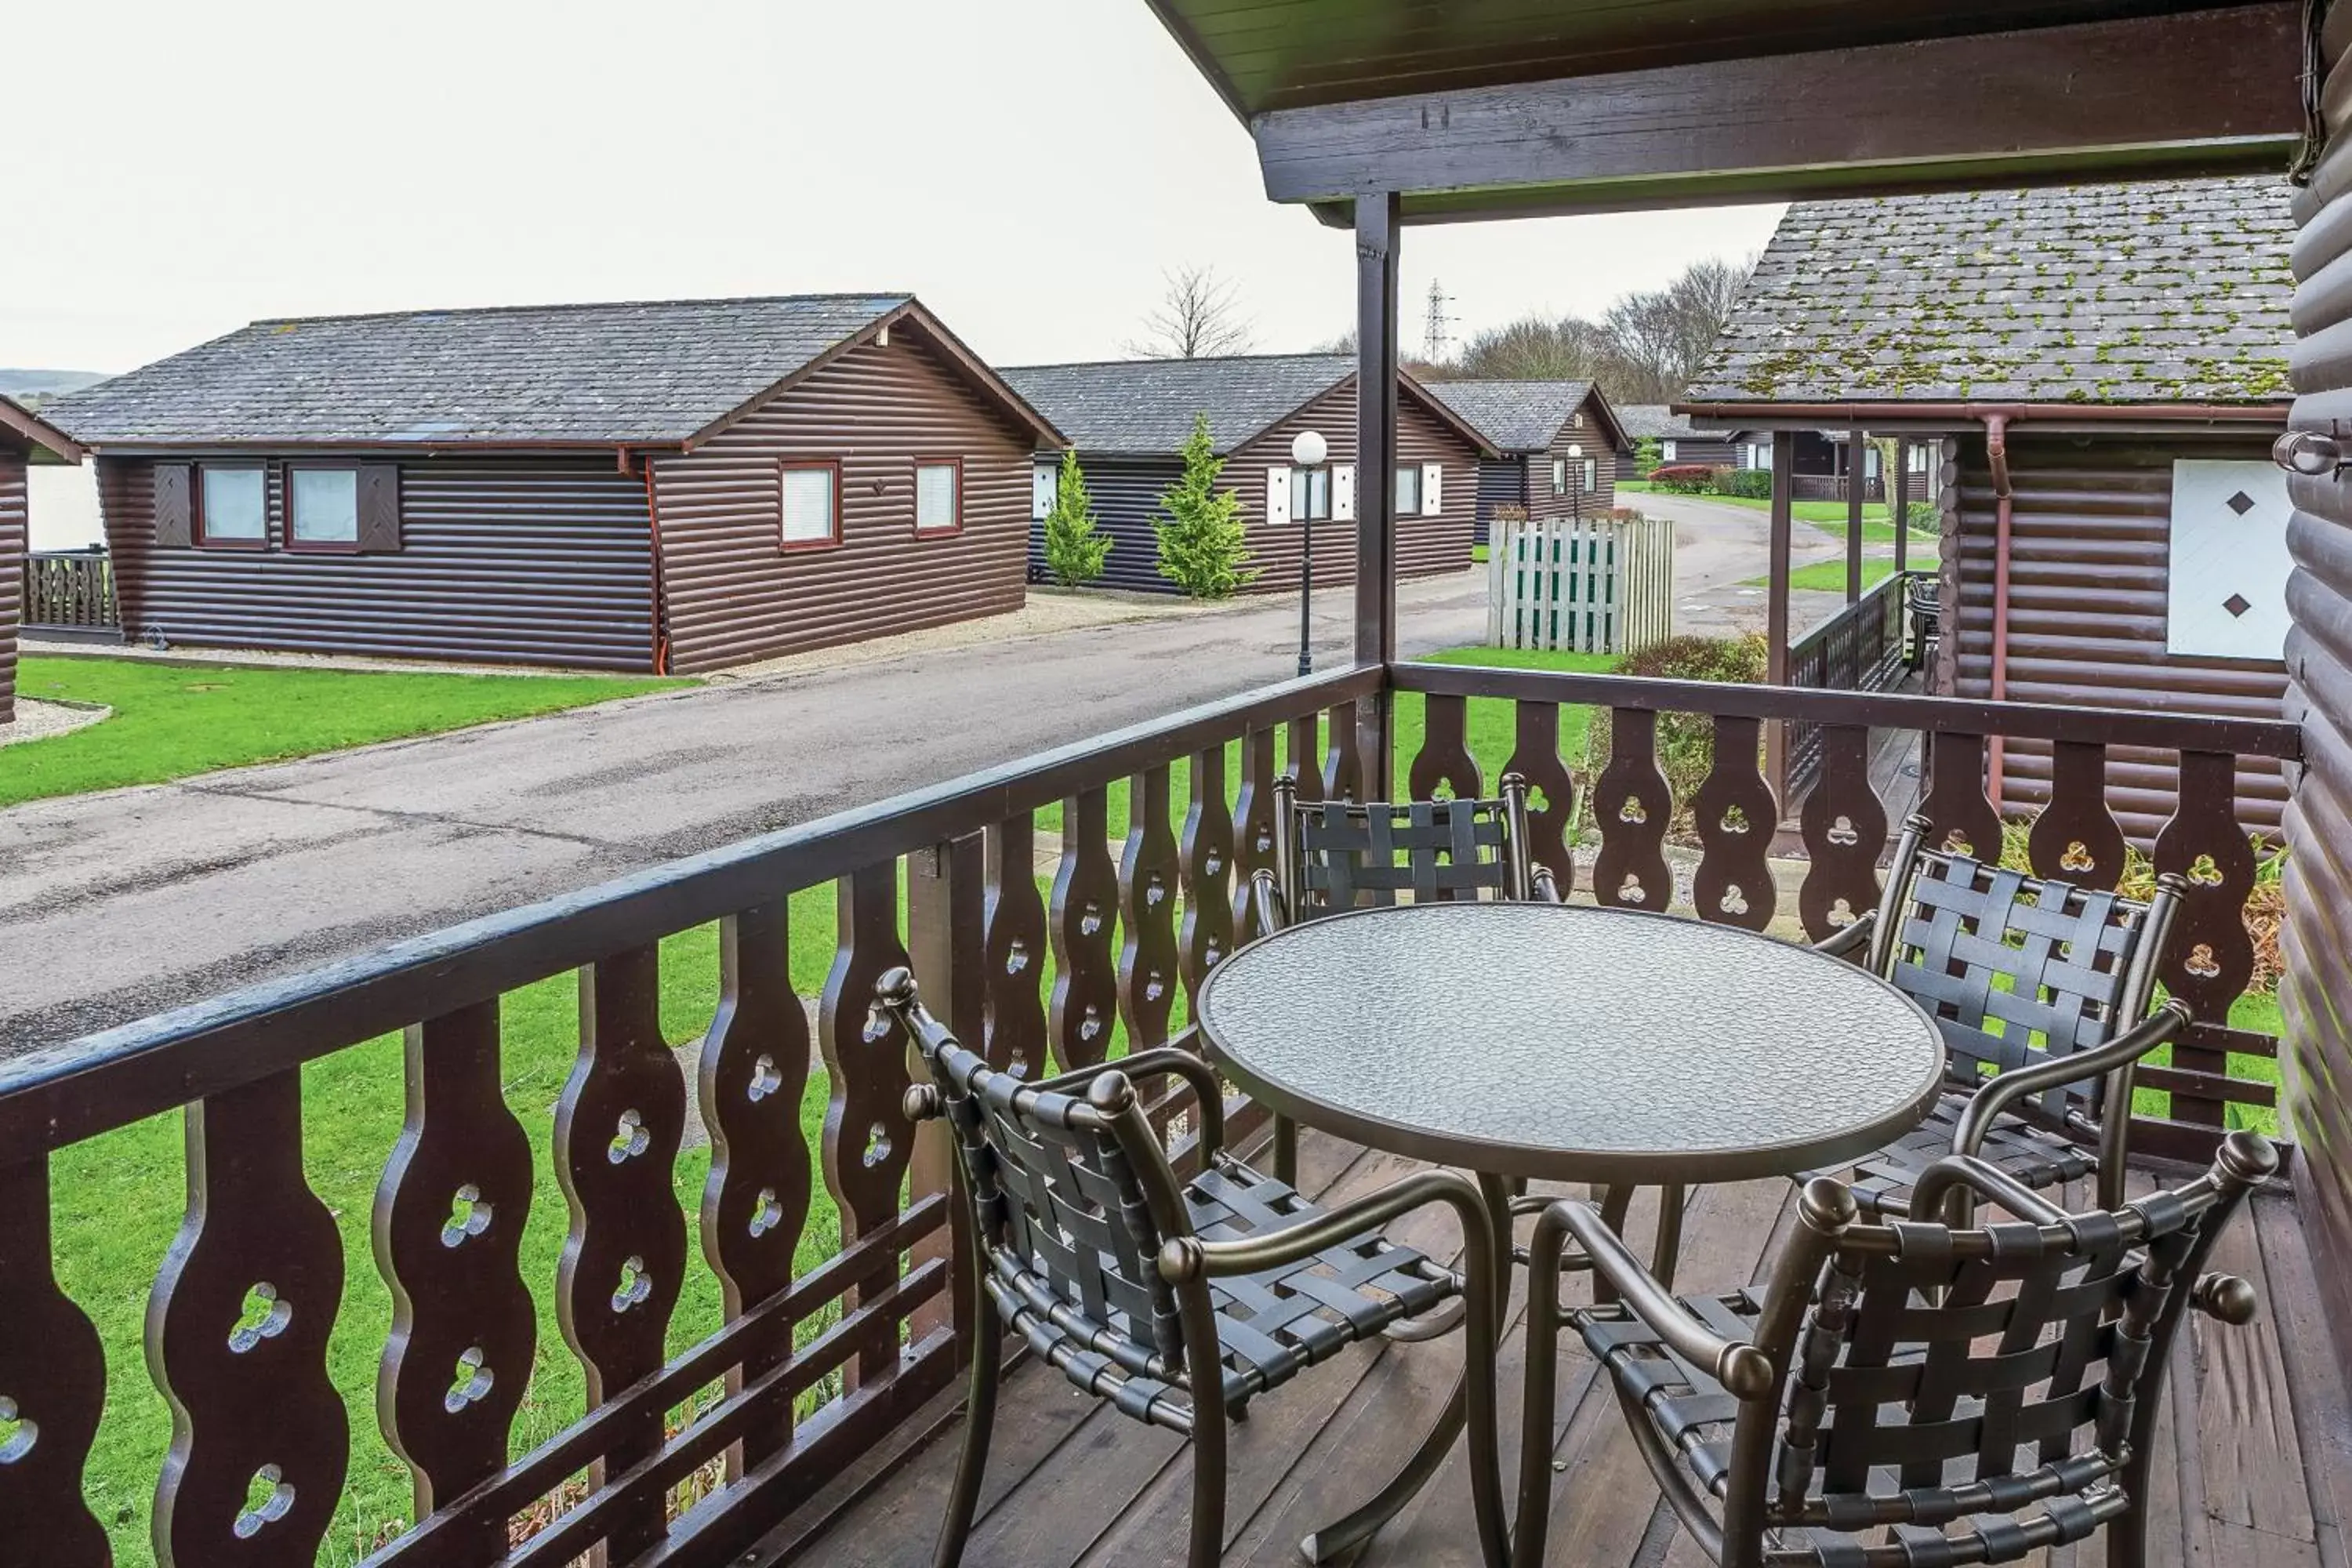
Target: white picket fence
(1585, 585)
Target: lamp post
(1576, 481)
(1308, 450)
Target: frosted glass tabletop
(1567, 1043)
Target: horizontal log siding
(1502, 481)
(733, 594)
(1541, 502)
(13, 534)
(1424, 544)
(2091, 525)
(1126, 493)
(527, 560)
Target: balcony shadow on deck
(2256, 1456)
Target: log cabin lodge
(673, 486)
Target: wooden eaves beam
(2192, 93)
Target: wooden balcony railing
(811, 1350)
(69, 588)
(1859, 648)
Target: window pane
(1591, 474)
(233, 504)
(1310, 494)
(1408, 491)
(808, 505)
(326, 504)
(935, 496)
(1559, 476)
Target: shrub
(1685, 741)
(1686, 479)
(1645, 454)
(1203, 547)
(1756, 483)
(1075, 547)
(1925, 517)
(1510, 511)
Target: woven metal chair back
(1942, 1375)
(1345, 855)
(1064, 1212)
(2015, 969)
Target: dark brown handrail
(58, 1096)
(2275, 738)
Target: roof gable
(642, 373)
(1525, 416)
(1146, 407)
(31, 430)
(2152, 293)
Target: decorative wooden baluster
(1444, 762)
(1148, 872)
(867, 1135)
(1735, 817)
(617, 1128)
(2076, 838)
(1207, 934)
(1252, 824)
(1961, 815)
(2209, 957)
(1013, 1037)
(1305, 762)
(1844, 825)
(947, 947)
(1634, 803)
(447, 1230)
(1551, 789)
(1343, 765)
(755, 1200)
(236, 1339)
(52, 1388)
(1085, 903)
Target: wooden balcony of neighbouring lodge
(438, 1290)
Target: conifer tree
(1203, 547)
(1075, 547)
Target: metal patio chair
(2041, 990)
(1923, 597)
(1140, 1286)
(1341, 855)
(1903, 1395)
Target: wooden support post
(947, 890)
(1857, 474)
(1899, 506)
(1376, 234)
(1776, 603)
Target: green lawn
(1829, 576)
(171, 720)
(1829, 516)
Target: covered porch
(779, 1391)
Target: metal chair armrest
(1188, 1257)
(1160, 1062)
(2225, 1299)
(1745, 1372)
(1547, 886)
(1931, 1193)
(1854, 933)
(1266, 903)
(1999, 1093)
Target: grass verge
(173, 721)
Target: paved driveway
(113, 906)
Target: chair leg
(2128, 1534)
(979, 1423)
(1285, 1151)
(1208, 1487)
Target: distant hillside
(28, 386)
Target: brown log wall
(531, 560)
(733, 594)
(1423, 545)
(2090, 524)
(13, 535)
(1541, 502)
(2316, 998)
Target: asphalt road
(116, 905)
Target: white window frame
(953, 467)
(786, 468)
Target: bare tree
(1535, 349)
(1660, 338)
(1196, 318)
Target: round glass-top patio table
(1562, 1042)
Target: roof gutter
(1876, 413)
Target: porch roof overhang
(1902, 417)
(1484, 112)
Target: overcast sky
(1029, 167)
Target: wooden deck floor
(2257, 1456)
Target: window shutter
(175, 515)
(1044, 486)
(379, 508)
(1277, 495)
(1433, 489)
(1343, 493)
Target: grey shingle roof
(2171, 292)
(649, 372)
(1652, 422)
(1514, 416)
(1145, 406)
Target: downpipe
(1997, 455)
